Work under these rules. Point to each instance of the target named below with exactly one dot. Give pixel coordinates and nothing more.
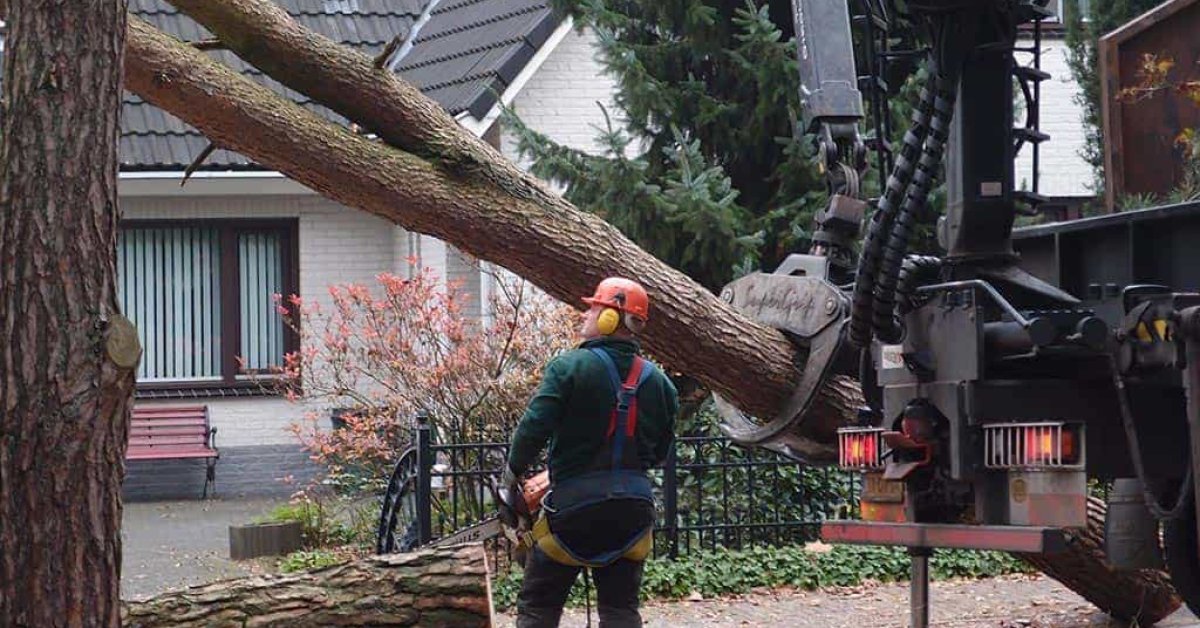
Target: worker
(609, 416)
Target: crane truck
(1001, 380)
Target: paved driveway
(168, 545)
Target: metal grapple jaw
(812, 312)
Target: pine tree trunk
(437, 587)
(66, 354)
(1145, 594)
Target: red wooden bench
(174, 433)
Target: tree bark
(1144, 594)
(436, 587)
(66, 354)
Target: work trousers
(547, 584)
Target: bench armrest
(212, 438)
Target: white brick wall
(561, 99)
(1063, 171)
(337, 246)
(464, 270)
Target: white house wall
(337, 245)
(1063, 171)
(561, 99)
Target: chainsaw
(514, 519)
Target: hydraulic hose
(1155, 507)
(917, 270)
(927, 170)
(881, 221)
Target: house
(198, 264)
(1063, 175)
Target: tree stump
(275, 538)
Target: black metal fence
(710, 493)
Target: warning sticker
(892, 356)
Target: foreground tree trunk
(435, 587)
(66, 354)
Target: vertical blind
(168, 284)
(260, 273)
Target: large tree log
(1144, 593)
(522, 228)
(437, 587)
(66, 354)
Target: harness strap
(622, 421)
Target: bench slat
(161, 416)
(166, 441)
(171, 430)
(169, 409)
(170, 455)
(170, 421)
(169, 441)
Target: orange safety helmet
(622, 294)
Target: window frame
(1061, 11)
(232, 381)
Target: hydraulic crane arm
(832, 111)
(828, 79)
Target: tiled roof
(466, 54)
(471, 50)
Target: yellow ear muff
(608, 321)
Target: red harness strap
(629, 388)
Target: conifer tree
(702, 165)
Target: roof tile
(468, 51)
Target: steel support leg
(918, 595)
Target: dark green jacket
(572, 406)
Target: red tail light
(1033, 445)
(860, 447)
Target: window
(1060, 8)
(201, 295)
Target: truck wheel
(1183, 557)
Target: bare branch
(382, 58)
(187, 174)
(209, 44)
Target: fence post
(671, 499)
(424, 480)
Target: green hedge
(725, 572)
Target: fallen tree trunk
(1145, 594)
(435, 587)
(519, 226)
